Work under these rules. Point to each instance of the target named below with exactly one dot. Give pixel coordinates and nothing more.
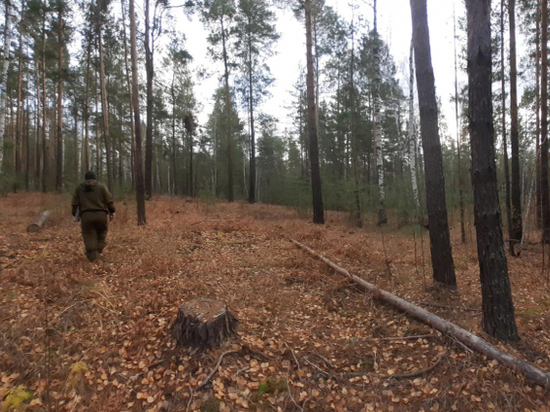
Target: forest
(374, 244)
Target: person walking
(91, 204)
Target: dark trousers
(94, 232)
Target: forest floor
(81, 336)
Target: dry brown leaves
(81, 336)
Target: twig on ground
(410, 375)
(242, 370)
(323, 359)
(207, 380)
(330, 375)
(293, 355)
(292, 397)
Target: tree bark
(472, 341)
(504, 142)
(19, 119)
(86, 148)
(138, 162)
(37, 143)
(129, 84)
(377, 132)
(5, 67)
(412, 135)
(104, 106)
(459, 145)
(44, 107)
(149, 130)
(230, 195)
(537, 118)
(498, 308)
(318, 211)
(544, 124)
(517, 227)
(252, 191)
(59, 131)
(440, 244)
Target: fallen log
(470, 340)
(39, 223)
(203, 324)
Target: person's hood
(89, 185)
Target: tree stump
(37, 226)
(203, 324)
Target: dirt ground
(80, 336)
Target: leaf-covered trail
(84, 336)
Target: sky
(394, 25)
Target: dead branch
(205, 382)
(395, 376)
(530, 371)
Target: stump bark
(39, 223)
(203, 324)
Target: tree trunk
(44, 107)
(412, 135)
(537, 117)
(39, 223)
(377, 132)
(459, 145)
(252, 191)
(19, 119)
(517, 227)
(7, 60)
(105, 108)
(37, 147)
(318, 212)
(544, 124)
(498, 308)
(138, 162)
(504, 142)
(442, 259)
(129, 84)
(86, 148)
(230, 196)
(149, 130)
(59, 131)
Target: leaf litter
(81, 336)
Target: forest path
(114, 315)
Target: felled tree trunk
(203, 324)
(37, 226)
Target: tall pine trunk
(498, 308)
(459, 145)
(537, 117)
(230, 195)
(86, 148)
(37, 120)
(104, 106)
(44, 107)
(4, 83)
(382, 216)
(138, 161)
(544, 124)
(19, 119)
(252, 191)
(504, 140)
(149, 131)
(318, 212)
(441, 254)
(517, 227)
(129, 85)
(412, 135)
(59, 131)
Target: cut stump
(203, 324)
(39, 223)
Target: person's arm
(75, 203)
(108, 198)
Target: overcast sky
(394, 25)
